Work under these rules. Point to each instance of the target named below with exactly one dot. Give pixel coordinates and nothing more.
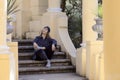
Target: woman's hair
(48, 33)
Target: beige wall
(22, 18)
(26, 15)
(29, 16)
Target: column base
(81, 62)
(93, 48)
(7, 64)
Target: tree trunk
(63, 4)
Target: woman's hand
(35, 46)
(53, 47)
(43, 48)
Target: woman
(44, 46)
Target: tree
(100, 1)
(73, 9)
(12, 8)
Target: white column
(4, 50)
(3, 16)
(89, 14)
(54, 6)
(19, 22)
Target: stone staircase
(60, 62)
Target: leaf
(8, 3)
(100, 14)
(11, 8)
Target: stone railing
(67, 43)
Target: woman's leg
(49, 54)
(40, 55)
(43, 55)
(34, 57)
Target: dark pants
(43, 54)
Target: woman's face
(44, 31)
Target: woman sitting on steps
(44, 46)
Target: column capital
(54, 9)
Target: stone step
(24, 42)
(23, 49)
(54, 76)
(28, 56)
(29, 42)
(54, 62)
(60, 63)
(44, 70)
(29, 48)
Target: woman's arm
(53, 47)
(54, 43)
(36, 47)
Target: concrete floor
(60, 76)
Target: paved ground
(63, 76)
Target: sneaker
(48, 64)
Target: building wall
(30, 10)
(26, 16)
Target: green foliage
(11, 7)
(75, 30)
(73, 9)
(100, 12)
